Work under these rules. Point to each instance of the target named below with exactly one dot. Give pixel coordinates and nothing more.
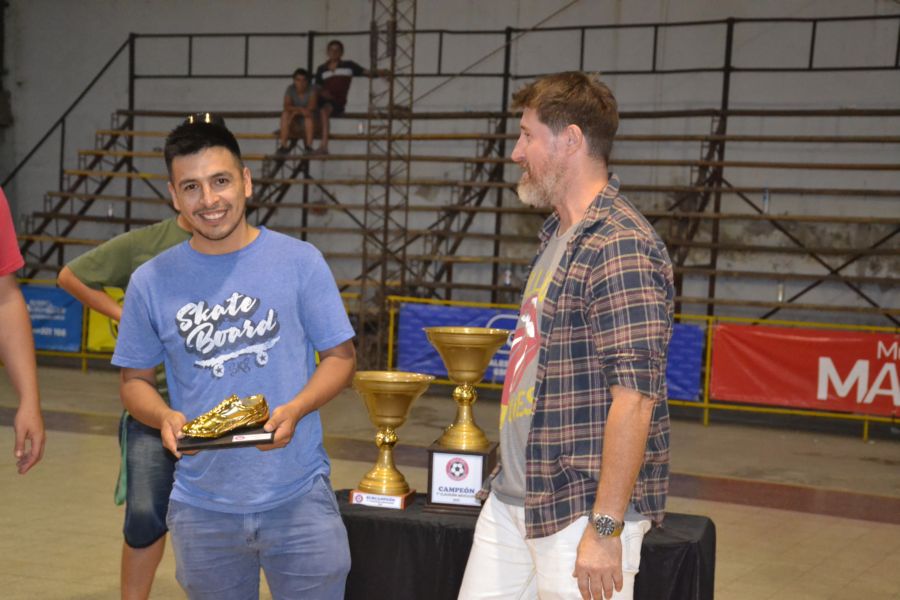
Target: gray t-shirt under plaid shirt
(517, 403)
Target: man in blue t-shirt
(240, 310)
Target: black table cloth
(414, 555)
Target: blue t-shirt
(243, 323)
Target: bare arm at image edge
(17, 354)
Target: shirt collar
(596, 212)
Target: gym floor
(798, 514)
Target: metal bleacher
(788, 222)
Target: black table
(415, 555)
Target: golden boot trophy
(230, 414)
(388, 396)
(229, 425)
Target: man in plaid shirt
(584, 425)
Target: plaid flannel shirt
(607, 320)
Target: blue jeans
(301, 545)
(150, 470)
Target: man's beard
(215, 236)
(542, 191)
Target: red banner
(846, 371)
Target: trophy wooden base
(236, 439)
(381, 500)
(455, 476)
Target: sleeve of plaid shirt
(629, 313)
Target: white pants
(504, 564)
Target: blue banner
(685, 361)
(55, 318)
(415, 353)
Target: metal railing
(705, 403)
(724, 57)
(252, 61)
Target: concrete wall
(55, 47)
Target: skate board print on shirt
(220, 333)
(217, 364)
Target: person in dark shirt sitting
(333, 78)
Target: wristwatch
(606, 526)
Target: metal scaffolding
(392, 54)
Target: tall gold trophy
(462, 457)
(388, 396)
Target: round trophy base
(465, 436)
(379, 481)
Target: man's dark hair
(301, 71)
(337, 43)
(195, 135)
(574, 98)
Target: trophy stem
(463, 433)
(385, 478)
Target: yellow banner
(103, 331)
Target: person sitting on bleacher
(333, 78)
(300, 99)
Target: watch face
(604, 524)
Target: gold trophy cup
(466, 352)
(388, 396)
